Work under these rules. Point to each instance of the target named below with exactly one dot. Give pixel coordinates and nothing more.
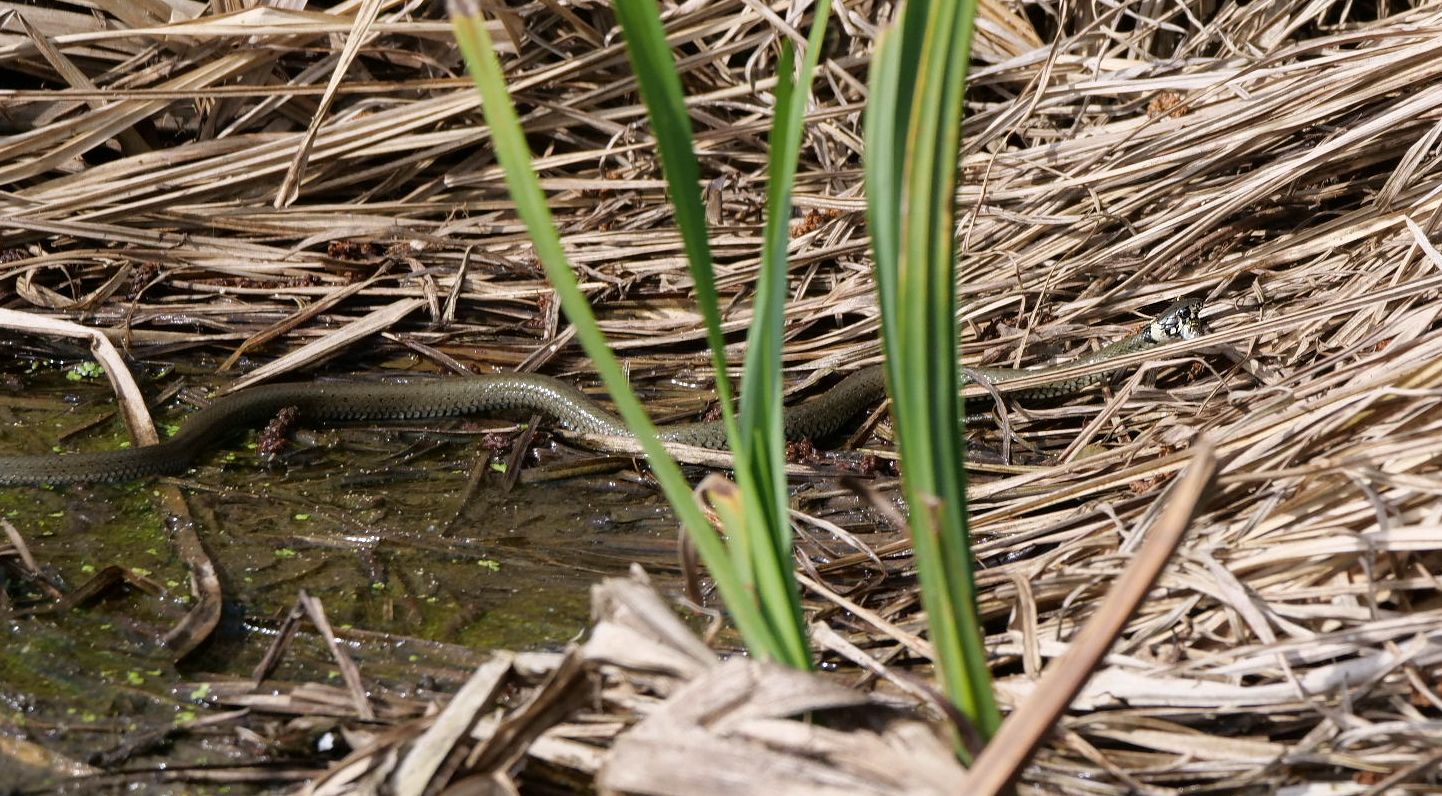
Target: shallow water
(371, 520)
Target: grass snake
(570, 407)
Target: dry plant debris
(1281, 159)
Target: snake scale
(570, 407)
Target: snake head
(1181, 321)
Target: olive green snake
(571, 408)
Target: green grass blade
(515, 157)
(888, 106)
(757, 523)
(913, 141)
(760, 453)
(655, 70)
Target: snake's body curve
(571, 408)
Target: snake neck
(1139, 340)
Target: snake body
(570, 407)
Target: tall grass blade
(758, 524)
(913, 130)
(515, 157)
(760, 452)
(660, 84)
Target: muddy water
(374, 521)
